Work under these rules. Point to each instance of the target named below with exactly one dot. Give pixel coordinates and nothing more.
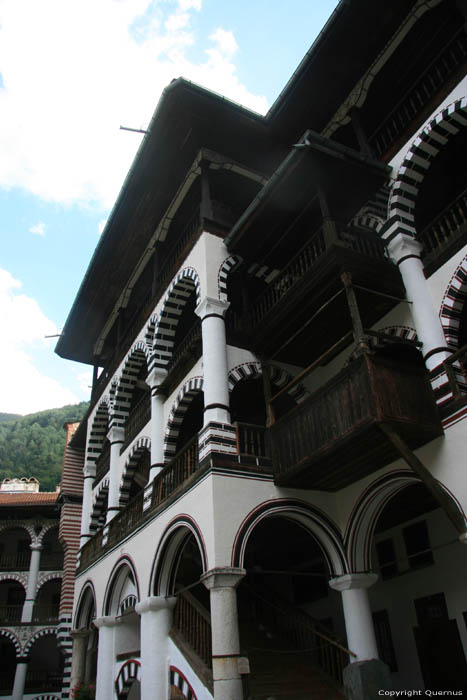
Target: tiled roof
(28, 499)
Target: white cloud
(78, 69)
(225, 41)
(101, 226)
(25, 389)
(38, 229)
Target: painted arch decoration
(454, 300)
(129, 672)
(415, 166)
(179, 683)
(178, 293)
(142, 444)
(180, 406)
(136, 358)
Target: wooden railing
(300, 630)
(18, 561)
(91, 550)
(443, 232)
(10, 614)
(456, 370)
(251, 440)
(193, 622)
(183, 465)
(411, 103)
(38, 681)
(102, 463)
(140, 414)
(374, 390)
(126, 521)
(51, 562)
(43, 613)
(307, 259)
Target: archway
(89, 640)
(120, 599)
(9, 651)
(12, 595)
(45, 666)
(415, 602)
(15, 551)
(46, 606)
(287, 611)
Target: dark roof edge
(278, 103)
(177, 83)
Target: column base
(363, 679)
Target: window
(417, 544)
(387, 558)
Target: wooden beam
(433, 486)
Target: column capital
(89, 470)
(82, 633)
(154, 604)
(116, 434)
(463, 538)
(350, 581)
(155, 377)
(223, 577)
(106, 621)
(35, 547)
(403, 246)
(210, 306)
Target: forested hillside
(33, 445)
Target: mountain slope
(33, 445)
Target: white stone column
(216, 388)
(89, 476)
(405, 252)
(221, 583)
(154, 379)
(156, 621)
(116, 437)
(357, 613)
(20, 679)
(34, 565)
(106, 657)
(78, 659)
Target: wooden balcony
(334, 437)
(140, 414)
(102, 463)
(290, 320)
(445, 235)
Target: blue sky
(69, 76)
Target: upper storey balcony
(300, 229)
(337, 435)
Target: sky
(72, 72)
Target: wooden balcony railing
(91, 550)
(102, 463)
(126, 521)
(45, 613)
(193, 623)
(183, 465)
(140, 414)
(444, 232)
(411, 104)
(51, 562)
(18, 561)
(251, 440)
(334, 437)
(309, 258)
(39, 681)
(10, 614)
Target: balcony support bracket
(433, 486)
